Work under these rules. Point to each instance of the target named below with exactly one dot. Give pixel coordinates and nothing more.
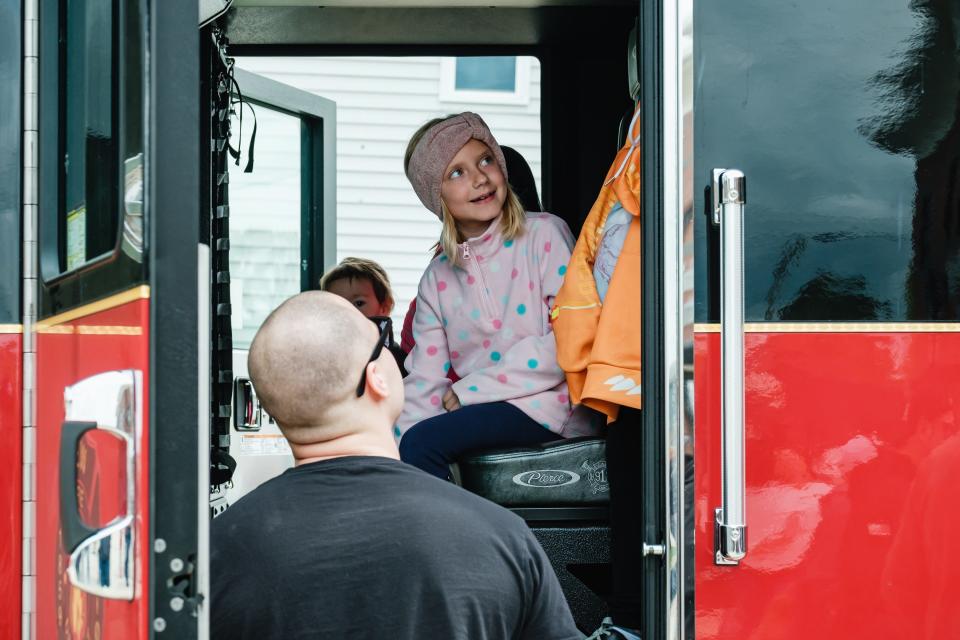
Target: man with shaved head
(351, 542)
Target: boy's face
(359, 292)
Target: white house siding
(264, 222)
(380, 103)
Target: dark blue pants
(434, 443)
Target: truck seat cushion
(567, 473)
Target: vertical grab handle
(730, 524)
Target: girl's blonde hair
(511, 224)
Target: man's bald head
(306, 360)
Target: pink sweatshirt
(489, 319)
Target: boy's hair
(511, 224)
(350, 268)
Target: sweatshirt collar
(484, 244)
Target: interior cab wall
(583, 64)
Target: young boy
(365, 284)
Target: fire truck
(800, 297)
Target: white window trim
(449, 92)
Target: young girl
(482, 306)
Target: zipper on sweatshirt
(474, 265)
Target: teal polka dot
(396, 431)
(421, 384)
(545, 426)
(508, 243)
(505, 299)
(494, 267)
(495, 356)
(475, 314)
(464, 335)
(532, 363)
(472, 387)
(562, 270)
(443, 258)
(522, 309)
(535, 404)
(446, 367)
(445, 323)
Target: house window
(485, 79)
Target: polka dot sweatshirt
(489, 320)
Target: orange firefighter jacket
(598, 344)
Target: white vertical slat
(29, 217)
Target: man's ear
(377, 381)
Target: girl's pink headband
(436, 149)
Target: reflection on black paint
(922, 120)
(846, 123)
(789, 258)
(845, 296)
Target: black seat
(521, 179)
(562, 474)
(561, 490)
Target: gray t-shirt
(368, 547)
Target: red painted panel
(62, 360)
(11, 479)
(852, 452)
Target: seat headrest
(521, 179)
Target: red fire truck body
(847, 488)
(800, 344)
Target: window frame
(450, 93)
(318, 166)
(112, 271)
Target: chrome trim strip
(677, 109)
(31, 52)
(202, 571)
(685, 436)
(838, 327)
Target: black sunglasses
(386, 331)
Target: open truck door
(121, 446)
(800, 247)
(134, 351)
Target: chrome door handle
(102, 560)
(730, 523)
